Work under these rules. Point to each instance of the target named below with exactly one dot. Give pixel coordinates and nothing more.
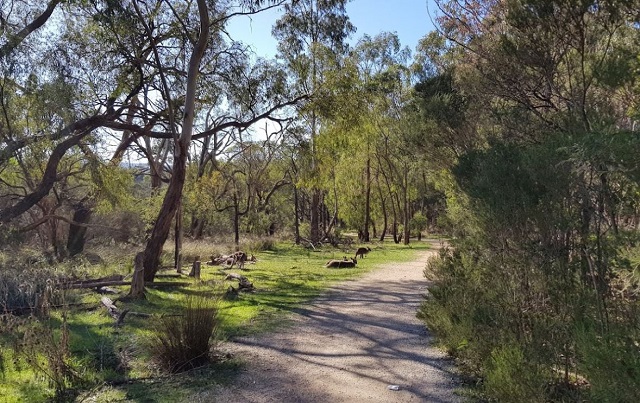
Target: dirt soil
(350, 345)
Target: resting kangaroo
(362, 251)
(341, 263)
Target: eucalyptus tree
(245, 185)
(305, 28)
(382, 65)
(54, 101)
(255, 94)
(130, 76)
(192, 69)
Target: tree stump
(137, 282)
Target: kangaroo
(341, 263)
(362, 251)
(240, 258)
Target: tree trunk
(197, 227)
(385, 222)
(162, 226)
(296, 222)
(178, 233)
(394, 231)
(77, 233)
(367, 199)
(407, 213)
(315, 215)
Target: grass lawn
(114, 363)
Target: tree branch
(15, 40)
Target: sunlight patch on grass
(284, 278)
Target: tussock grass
(185, 342)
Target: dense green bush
(537, 297)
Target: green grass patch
(119, 358)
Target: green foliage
(418, 222)
(114, 187)
(510, 377)
(611, 364)
(43, 347)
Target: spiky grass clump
(184, 342)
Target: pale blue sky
(409, 18)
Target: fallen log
(118, 316)
(115, 277)
(116, 283)
(107, 290)
(20, 310)
(114, 311)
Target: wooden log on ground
(114, 311)
(156, 284)
(107, 290)
(91, 282)
(116, 314)
(118, 283)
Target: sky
(408, 18)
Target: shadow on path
(349, 345)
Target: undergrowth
(72, 347)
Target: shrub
(44, 347)
(184, 342)
(24, 288)
(611, 364)
(511, 378)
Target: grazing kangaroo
(362, 251)
(342, 263)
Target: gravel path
(348, 346)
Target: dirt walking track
(348, 346)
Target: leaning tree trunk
(162, 226)
(385, 219)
